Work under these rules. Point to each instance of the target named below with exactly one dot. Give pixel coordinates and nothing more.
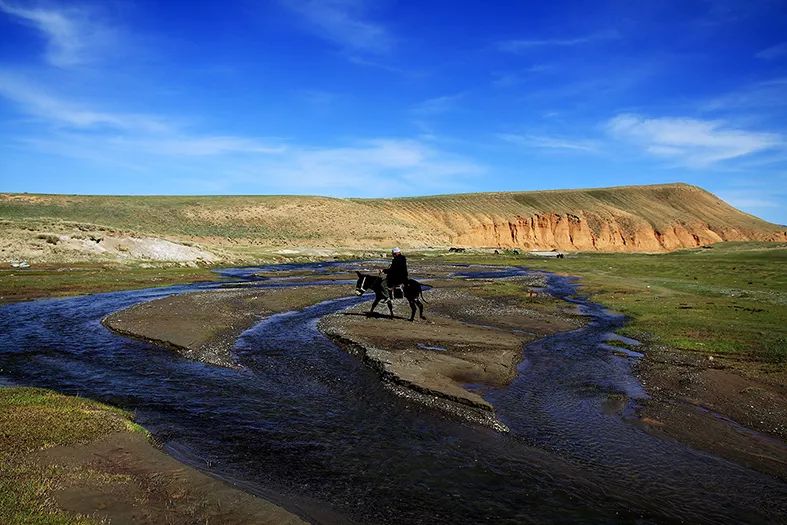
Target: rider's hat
(396, 250)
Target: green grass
(731, 299)
(74, 279)
(33, 419)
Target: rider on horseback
(396, 274)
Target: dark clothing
(397, 273)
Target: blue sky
(362, 98)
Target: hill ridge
(652, 218)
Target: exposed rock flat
(205, 325)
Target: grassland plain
(730, 299)
(240, 228)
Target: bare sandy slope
(637, 218)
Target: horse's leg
(412, 309)
(374, 305)
(390, 307)
(420, 308)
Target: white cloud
(343, 22)
(550, 143)
(184, 145)
(692, 142)
(35, 101)
(81, 126)
(384, 166)
(761, 95)
(73, 35)
(773, 52)
(145, 144)
(521, 45)
(437, 105)
(764, 202)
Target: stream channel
(308, 426)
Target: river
(306, 425)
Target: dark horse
(412, 292)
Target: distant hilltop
(232, 228)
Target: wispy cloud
(765, 202)
(73, 35)
(385, 166)
(506, 79)
(34, 101)
(522, 45)
(343, 22)
(773, 52)
(436, 105)
(151, 134)
(147, 144)
(550, 143)
(691, 142)
(761, 95)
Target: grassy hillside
(636, 218)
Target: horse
(412, 292)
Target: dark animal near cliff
(412, 292)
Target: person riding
(396, 274)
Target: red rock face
(616, 233)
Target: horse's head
(360, 284)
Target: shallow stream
(308, 426)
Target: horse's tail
(421, 293)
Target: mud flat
(151, 487)
(204, 325)
(732, 408)
(71, 460)
(469, 342)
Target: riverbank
(68, 460)
(204, 325)
(714, 341)
(60, 280)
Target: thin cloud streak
(690, 142)
(34, 101)
(763, 95)
(71, 36)
(550, 143)
(437, 105)
(149, 145)
(343, 22)
(773, 53)
(521, 45)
